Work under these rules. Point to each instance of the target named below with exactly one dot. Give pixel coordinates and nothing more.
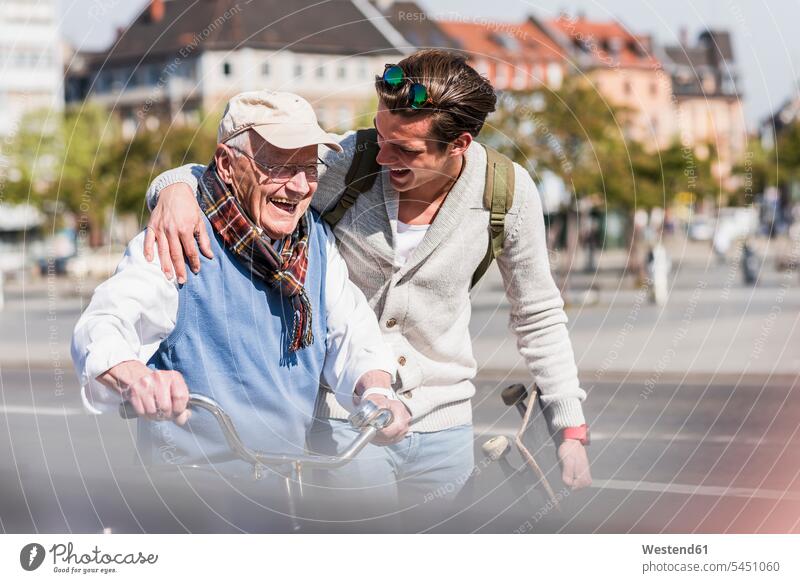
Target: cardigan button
(391, 323)
(401, 361)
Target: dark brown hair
(460, 98)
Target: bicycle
(368, 418)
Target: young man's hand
(176, 225)
(158, 395)
(574, 464)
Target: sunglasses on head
(394, 76)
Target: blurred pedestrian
(750, 264)
(658, 267)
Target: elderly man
(269, 315)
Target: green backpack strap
(498, 196)
(360, 176)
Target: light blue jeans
(415, 481)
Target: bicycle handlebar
(368, 418)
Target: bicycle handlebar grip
(514, 394)
(126, 410)
(496, 447)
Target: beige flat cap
(285, 120)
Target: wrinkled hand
(176, 225)
(157, 395)
(574, 464)
(397, 429)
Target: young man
(256, 328)
(412, 243)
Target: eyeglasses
(394, 77)
(281, 174)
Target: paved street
(693, 408)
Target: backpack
(498, 193)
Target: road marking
(488, 429)
(723, 491)
(42, 411)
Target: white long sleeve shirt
(134, 310)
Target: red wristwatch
(580, 433)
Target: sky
(765, 33)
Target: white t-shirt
(408, 238)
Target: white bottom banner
(395, 558)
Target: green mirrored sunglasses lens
(393, 76)
(419, 95)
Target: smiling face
(413, 156)
(274, 207)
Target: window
(519, 76)
(501, 77)
(298, 70)
(226, 69)
(102, 82)
(265, 70)
(538, 72)
(626, 87)
(153, 75)
(320, 72)
(186, 70)
(118, 79)
(555, 75)
(341, 72)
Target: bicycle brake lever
(382, 418)
(126, 410)
(369, 414)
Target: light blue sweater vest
(231, 343)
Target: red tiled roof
(503, 40)
(597, 39)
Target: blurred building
(180, 58)
(31, 55)
(513, 56)
(705, 84)
(775, 124)
(624, 68)
(419, 28)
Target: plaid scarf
(283, 268)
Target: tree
(787, 152)
(57, 162)
(78, 162)
(131, 167)
(574, 133)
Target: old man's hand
(158, 395)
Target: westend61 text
(673, 550)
